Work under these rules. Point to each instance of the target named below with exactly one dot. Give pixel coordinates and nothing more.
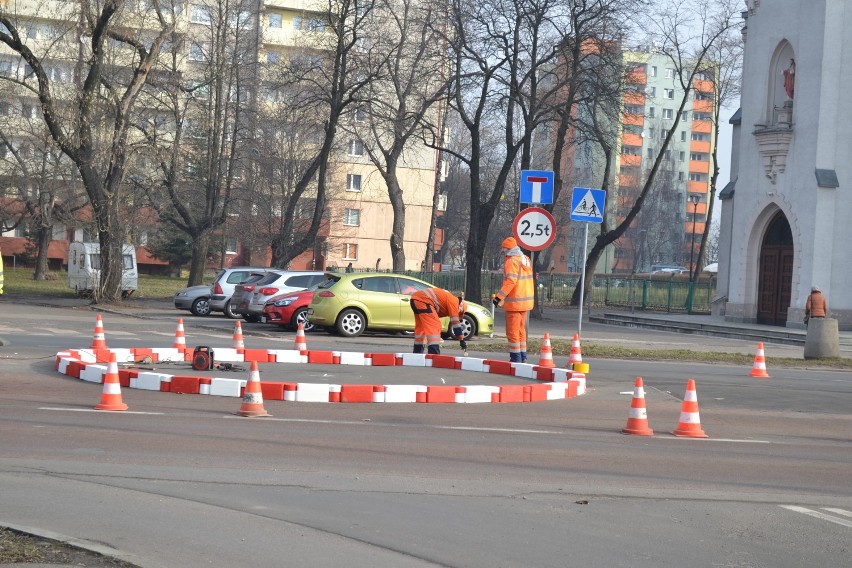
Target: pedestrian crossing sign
(587, 204)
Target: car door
(380, 297)
(407, 287)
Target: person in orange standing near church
(517, 296)
(429, 306)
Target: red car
(289, 310)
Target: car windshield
(326, 284)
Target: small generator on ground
(202, 358)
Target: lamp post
(694, 198)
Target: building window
(231, 246)
(663, 133)
(201, 15)
(360, 115)
(698, 157)
(669, 73)
(668, 113)
(273, 57)
(350, 251)
(668, 154)
(352, 217)
(700, 136)
(651, 112)
(632, 109)
(682, 157)
(701, 116)
(696, 177)
(652, 132)
(353, 182)
(650, 153)
(684, 116)
(668, 93)
(356, 148)
(652, 71)
(652, 91)
(683, 135)
(680, 174)
(274, 20)
(196, 52)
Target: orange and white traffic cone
(180, 338)
(545, 358)
(576, 356)
(252, 406)
(99, 340)
(759, 368)
(111, 396)
(689, 425)
(637, 419)
(238, 336)
(301, 343)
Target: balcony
(697, 187)
(634, 119)
(628, 139)
(704, 126)
(702, 106)
(703, 86)
(628, 160)
(699, 166)
(699, 146)
(634, 99)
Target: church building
(786, 223)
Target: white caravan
(84, 268)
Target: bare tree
(409, 60)
(199, 125)
(322, 79)
(91, 124)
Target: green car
(350, 304)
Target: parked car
(250, 297)
(226, 282)
(668, 269)
(350, 304)
(289, 310)
(196, 299)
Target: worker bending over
(429, 306)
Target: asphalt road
(178, 480)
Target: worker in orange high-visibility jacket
(429, 306)
(517, 296)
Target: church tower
(786, 221)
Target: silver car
(250, 297)
(196, 299)
(226, 282)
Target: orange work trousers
(427, 326)
(516, 334)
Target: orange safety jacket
(446, 304)
(518, 290)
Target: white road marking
(818, 515)
(102, 411)
(843, 512)
(508, 430)
(717, 440)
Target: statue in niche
(790, 78)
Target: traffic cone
(111, 396)
(759, 368)
(180, 339)
(575, 356)
(689, 424)
(252, 406)
(545, 358)
(238, 336)
(99, 340)
(301, 341)
(637, 419)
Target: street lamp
(694, 198)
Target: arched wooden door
(776, 273)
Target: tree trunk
(200, 246)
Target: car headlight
(284, 302)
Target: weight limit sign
(534, 228)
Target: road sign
(587, 204)
(536, 187)
(534, 228)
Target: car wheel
(351, 323)
(301, 317)
(229, 311)
(469, 325)
(251, 318)
(201, 307)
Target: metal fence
(661, 292)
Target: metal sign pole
(583, 276)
